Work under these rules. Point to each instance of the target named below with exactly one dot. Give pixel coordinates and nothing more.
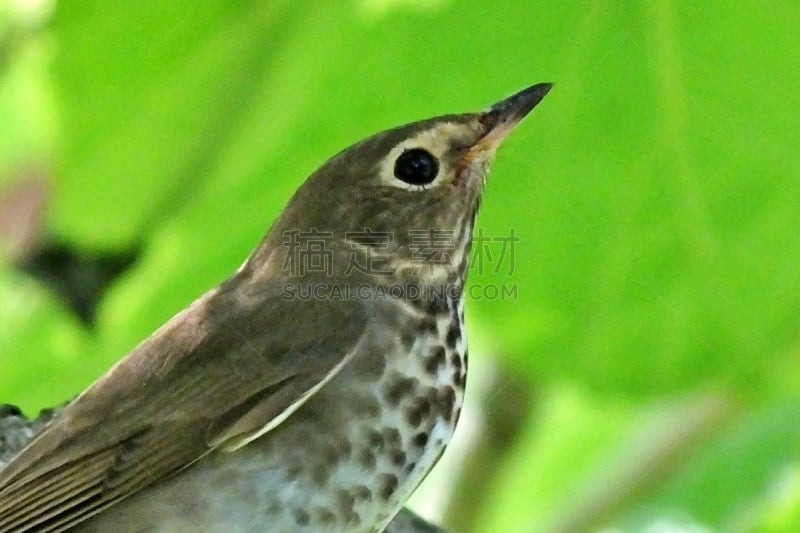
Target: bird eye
(416, 166)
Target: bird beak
(498, 122)
(501, 118)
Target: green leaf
(41, 346)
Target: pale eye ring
(416, 166)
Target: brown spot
(366, 406)
(419, 409)
(274, 508)
(375, 440)
(407, 340)
(346, 501)
(436, 358)
(392, 437)
(293, 472)
(428, 325)
(417, 302)
(420, 439)
(372, 368)
(361, 492)
(410, 467)
(320, 475)
(453, 334)
(432, 395)
(325, 516)
(398, 387)
(388, 486)
(455, 361)
(397, 457)
(331, 455)
(458, 378)
(352, 520)
(367, 459)
(445, 400)
(301, 517)
(437, 306)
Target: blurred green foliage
(653, 193)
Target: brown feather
(222, 369)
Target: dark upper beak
(501, 118)
(509, 111)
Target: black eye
(416, 166)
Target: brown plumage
(332, 409)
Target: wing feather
(220, 371)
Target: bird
(314, 388)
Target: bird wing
(227, 369)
